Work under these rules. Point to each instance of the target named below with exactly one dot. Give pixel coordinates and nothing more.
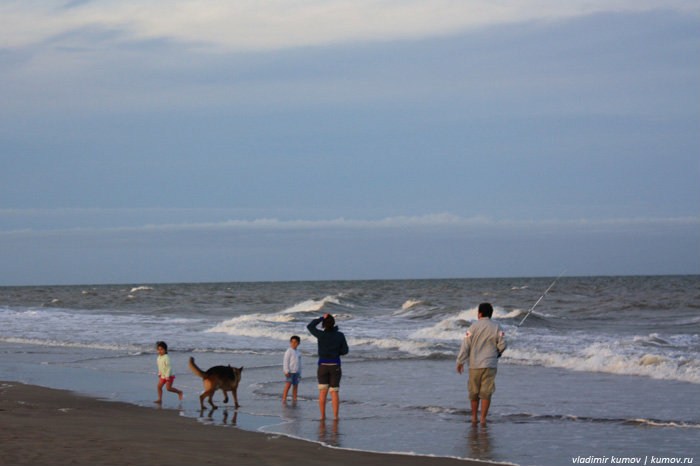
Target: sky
(237, 140)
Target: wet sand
(46, 426)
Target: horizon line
(505, 277)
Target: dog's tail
(196, 370)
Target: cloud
(439, 222)
(279, 24)
(430, 246)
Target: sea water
(603, 367)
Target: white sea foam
(652, 338)
(54, 343)
(140, 288)
(272, 326)
(82, 329)
(255, 326)
(455, 327)
(413, 347)
(679, 424)
(312, 305)
(29, 314)
(610, 358)
(259, 325)
(653, 359)
(410, 303)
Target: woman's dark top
(331, 344)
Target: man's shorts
(482, 383)
(293, 378)
(166, 379)
(329, 377)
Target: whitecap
(312, 305)
(652, 338)
(454, 327)
(255, 326)
(609, 358)
(410, 303)
(416, 348)
(652, 359)
(140, 288)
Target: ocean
(603, 367)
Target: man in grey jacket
(482, 346)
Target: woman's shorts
(329, 377)
(293, 378)
(482, 383)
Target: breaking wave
(410, 303)
(314, 305)
(611, 358)
(454, 327)
(140, 288)
(261, 325)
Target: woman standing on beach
(331, 345)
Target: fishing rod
(537, 302)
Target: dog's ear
(240, 368)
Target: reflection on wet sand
(479, 442)
(224, 418)
(328, 437)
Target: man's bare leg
(484, 410)
(475, 410)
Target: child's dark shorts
(329, 377)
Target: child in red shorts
(165, 372)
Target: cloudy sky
(224, 140)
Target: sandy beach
(46, 426)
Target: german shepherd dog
(225, 378)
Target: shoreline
(50, 426)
